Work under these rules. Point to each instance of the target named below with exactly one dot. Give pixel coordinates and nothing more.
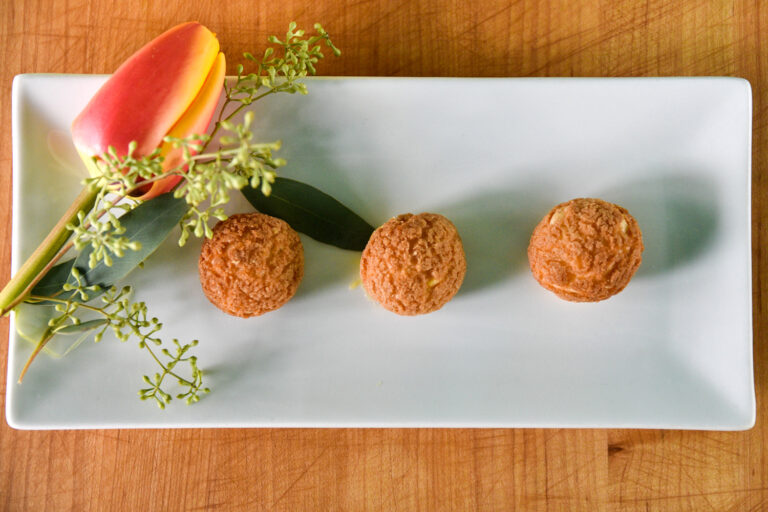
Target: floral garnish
(125, 319)
(123, 213)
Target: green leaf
(32, 320)
(148, 224)
(312, 212)
(50, 285)
(32, 323)
(82, 327)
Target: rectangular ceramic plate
(674, 350)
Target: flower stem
(35, 267)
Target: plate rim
(744, 423)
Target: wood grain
(539, 470)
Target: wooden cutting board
(590, 470)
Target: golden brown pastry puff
(585, 250)
(252, 265)
(413, 264)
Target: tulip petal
(148, 94)
(194, 121)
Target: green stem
(217, 125)
(255, 99)
(49, 333)
(40, 298)
(232, 114)
(33, 269)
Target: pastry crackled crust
(585, 250)
(253, 264)
(413, 264)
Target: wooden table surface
(347, 469)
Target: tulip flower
(171, 86)
(163, 96)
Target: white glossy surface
(674, 350)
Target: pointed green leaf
(148, 224)
(32, 322)
(312, 212)
(50, 285)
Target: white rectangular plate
(674, 350)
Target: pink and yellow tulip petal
(195, 120)
(149, 93)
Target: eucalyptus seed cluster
(123, 174)
(209, 178)
(67, 305)
(193, 386)
(280, 72)
(101, 229)
(115, 312)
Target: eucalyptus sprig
(279, 70)
(102, 230)
(194, 387)
(209, 178)
(123, 174)
(115, 312)
(206, 180)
